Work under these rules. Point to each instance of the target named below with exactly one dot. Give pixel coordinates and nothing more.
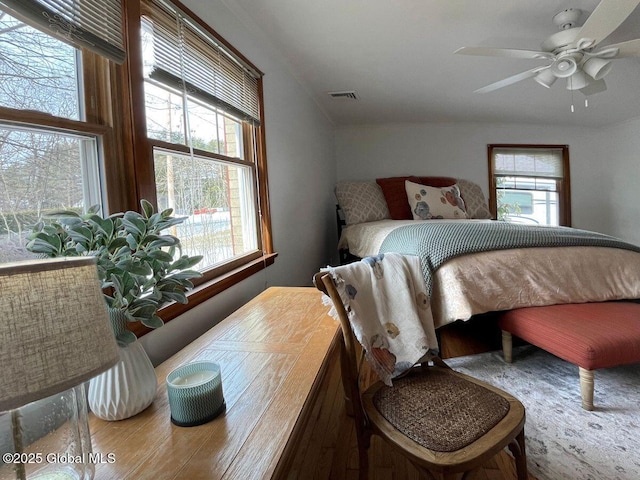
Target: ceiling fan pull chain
(571, 88)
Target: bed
(592, 268)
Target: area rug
(563, 441)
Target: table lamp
(55, 334)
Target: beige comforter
(506, 279)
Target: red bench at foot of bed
(590, 335)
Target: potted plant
(141, 269)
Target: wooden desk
(273, 354)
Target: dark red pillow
(396, 195)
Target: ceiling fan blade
(630, 48)
(594, 87)
(503, 52)
(606, 17)
(511, 80)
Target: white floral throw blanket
(389, 310)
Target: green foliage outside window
(503, 208)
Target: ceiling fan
(574, 53)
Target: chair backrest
(463, 411)
(349, 349)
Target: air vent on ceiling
(346, 94)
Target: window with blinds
(202, 105)
(177, 120)
(530, 183)
(55, 133)
(187, 58)
(95, 25)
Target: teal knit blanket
(436, 242)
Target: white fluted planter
(127, 388)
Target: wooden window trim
(564, 186)
(106, 87)
(209, 289)
(117, 120)
(139, 158)
(184, 150)
(112, 95)
(43, 120)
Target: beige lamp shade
(55, 332)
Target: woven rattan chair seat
(445, 423)
(439, 410)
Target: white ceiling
(398, 56)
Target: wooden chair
(443, 421)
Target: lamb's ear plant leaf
(62, 214)
(147, 208)
(135, 263)
(125, 338)
(42, 243)
(93, 209)
(152, 322)
(161, 255)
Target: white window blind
(92, 24)
(524, 162)
(188, 58)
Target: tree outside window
(41, 168)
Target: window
(76, 132)
(204, 141)
(214, 197)
(49, 154)
(530, 184)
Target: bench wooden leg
(507, 346)
(586, 388)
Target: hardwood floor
(328, 450)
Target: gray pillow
(474, 199)
(361, 202)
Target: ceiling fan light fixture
(573, 52)
(597, 68)
(577, 81)
(564, 67)
(545, 78)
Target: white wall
(302, 173)
(619, 153)
(460, 150)
(306, 157)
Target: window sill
(208, 290)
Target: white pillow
(429, 203)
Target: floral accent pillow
(428, 203)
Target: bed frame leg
(507, 346)
(586, 388)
